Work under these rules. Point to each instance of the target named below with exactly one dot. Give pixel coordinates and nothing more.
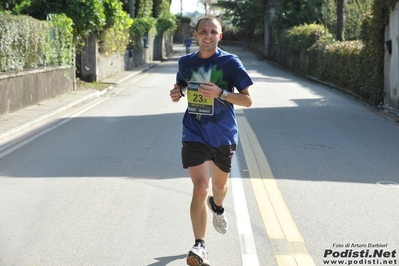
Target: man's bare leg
(198, 210)
(219, 185)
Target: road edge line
(281, 228)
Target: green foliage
(166, 24)
(88, 15)
(153, 17)
(329, 60)
(20, 39)
(115, 37)
(338, 63)
(354, 13)
(293, 13)
(104, 18)
(7, 5)
(61, 40)
(113, 11)
(242, 19)
(142, 24)
(28, 43)
(145, 8)
(166, 21)
(372, 35)
(159, 6)
(300, 38)
(356, 65)
(140, 27)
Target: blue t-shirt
(227, 72)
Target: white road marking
(244, 228)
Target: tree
(9, 4)
(244, 17)
(294, 13)
(341, 19)
(355, 11)
(207, 4)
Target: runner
(210, 133)
(187, 43)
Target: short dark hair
(208, 18)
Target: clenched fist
(175, 93)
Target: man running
(208, 79)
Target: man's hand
(210, 90)
(175, 93)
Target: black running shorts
(196, 153)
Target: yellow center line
(288, 244)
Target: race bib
(198, 104)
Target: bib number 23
(197, 103)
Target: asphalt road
(102, 184)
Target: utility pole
(181, 8)
(131, 8)
(341, 20)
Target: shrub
(300, 38)
(115, 37)
(139, 28)
(340, 64)
(28, 43)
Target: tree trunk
(298, 5)
(341, 20)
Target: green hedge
(27, 43)
(339, 63)
(357, 66)
(346, 64)
(300, 38)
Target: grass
(82, 85)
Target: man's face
(209, 33)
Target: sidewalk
(27, 118)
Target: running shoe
(219, 220)
(197, 256)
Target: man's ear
(220, 36)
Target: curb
(7, 135)
(137, 72)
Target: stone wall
(97, 67)
(26, 88)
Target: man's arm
(177, 92)
(242, 98)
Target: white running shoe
(197, 256)
(219, 220)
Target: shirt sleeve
(180, 80)
(241, 79)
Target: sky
(189, 6)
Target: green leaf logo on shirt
(213, 75)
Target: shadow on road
(162, 261)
